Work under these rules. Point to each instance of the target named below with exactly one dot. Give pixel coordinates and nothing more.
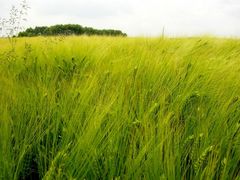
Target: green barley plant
(120, 108)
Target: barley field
(119, 108)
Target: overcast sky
(138, 17)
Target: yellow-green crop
(120, 108)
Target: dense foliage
(68, 29)
(119, 108)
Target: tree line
(68, 29)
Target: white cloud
(140, 17)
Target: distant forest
(68, 29)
